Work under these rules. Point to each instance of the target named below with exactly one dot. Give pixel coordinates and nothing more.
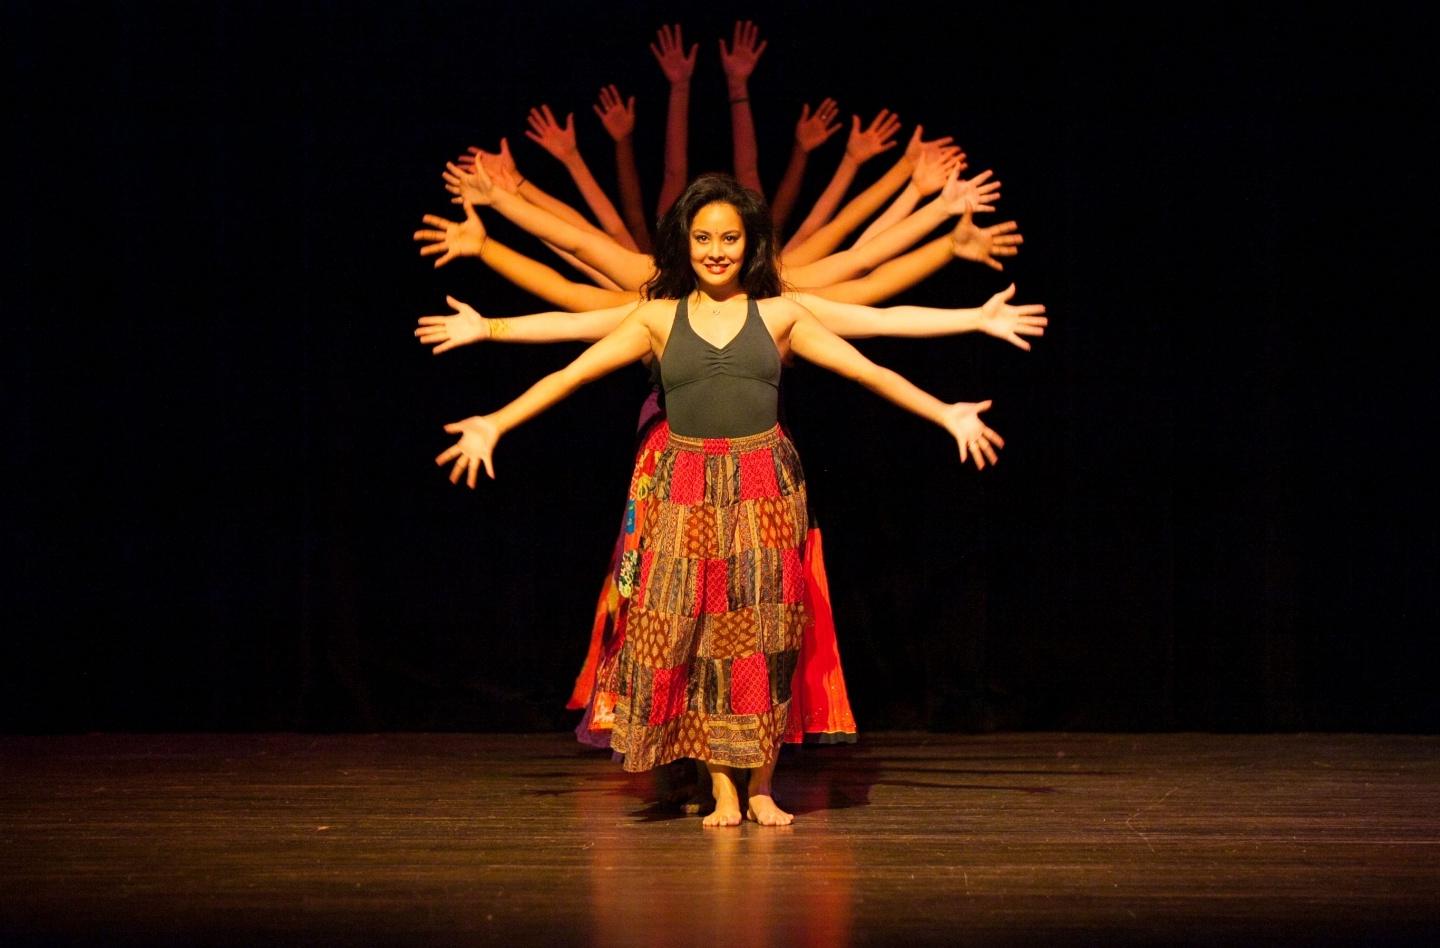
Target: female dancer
(718, 610)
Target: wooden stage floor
(1036, 839)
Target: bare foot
(762, 810)
(727, 798)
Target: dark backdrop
(1212, 514)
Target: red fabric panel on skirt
(749, 685)
(687, 483)
(757, 475)
(667, 695)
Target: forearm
(632, 201)
(896, 388)
(851, 216)
(550, 203)
(848, 264)
(742, 129)
(898, 210)
(892, 277)
(676, 146)
(555, 327)
(595, 276)
(825, 205)
(628, 342)
(547, 283)
(860, 322)
(599, 202)
(789, 188)
(627, 268)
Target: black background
(1212, 514)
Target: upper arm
(843, 319)
(812, 342)
(624, 344)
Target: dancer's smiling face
(717, 247)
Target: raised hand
(454, 238)
(549, 135)
(670, 54)
(917, 144)
(976, 439)
(469, 187)
(877, 137)
(977, 194)
(461, 328)
(813, 130)
(739, 60)
(935, 166)
(616, 114)
(984, 244)
(1003, 321)
(478, 436)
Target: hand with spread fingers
(461, 328)
(550, 135)
(617, 114)
(465, 238)
(984, 244)
(977, 440)
(978, 193)
(877, 137)
(813, 130)
(475, 449)
(669, 50)
(740, 59)
(1003, 321)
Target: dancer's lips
(717, 268)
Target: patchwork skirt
(820, 705)
(717, 606)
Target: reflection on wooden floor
(473, 839)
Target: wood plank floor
(919, 838)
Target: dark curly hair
(674, 278)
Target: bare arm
(479, 434)
(851, 216)
(860, 148)
(814, 343)
(810, 133)
(466, 327)
(618, 117)
(996, 318)
(560, 142)
(446, 239)
(933, 162)
(627, 268)
(739, 62)
(678, 67)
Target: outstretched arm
(466, 327)
(933, 163)
(851, 216)
(810, 133)
(814, 343)
(979, 244)
(560, 142)
(739, 62)
(505, 175)
(862, 146)
(627, 268)
(618, 117)
(956, 197)
(479, 434)
(447, 239)
(678, 67)
(995, 318)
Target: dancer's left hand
(478, 436)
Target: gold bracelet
(498, 328)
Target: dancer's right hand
(670, 54)
(461, 328)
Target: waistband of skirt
(740, 445)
